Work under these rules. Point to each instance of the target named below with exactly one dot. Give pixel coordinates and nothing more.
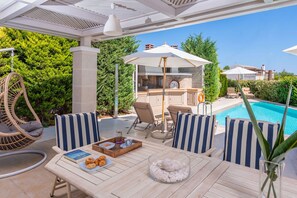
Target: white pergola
(84, 20)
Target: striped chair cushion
(76, 130)
(194, 132)
(241, 143)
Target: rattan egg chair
(16, 133)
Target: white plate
(82, 165)
(111, 145)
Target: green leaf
(285, 146)
(280, 137)
(262, 141)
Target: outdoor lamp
(112, 26)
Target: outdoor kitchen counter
(172, 97)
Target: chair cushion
(194, 132)
(29, 126)
(36, 132)
(4, 128)
(76, 130)
(241, 143)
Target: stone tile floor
(37, 183)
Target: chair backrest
(194, 132)
(173, 110)
(241, 143)
(246, 90)
(144, 112)
(231, 90)
(76, 130)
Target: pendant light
(112, 26)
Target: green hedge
(224, 85)
(274, 91)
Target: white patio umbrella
(291, 50)
(165, 56)
(238, 71)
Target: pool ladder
(204, 107)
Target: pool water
(263, 111)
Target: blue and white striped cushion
(241, 143)
(76, 130)
(194, 132)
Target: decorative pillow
(4, 128)
(36, 133)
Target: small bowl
(107, 145)
(171, 167)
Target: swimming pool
(263, 111)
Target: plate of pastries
(91, 164)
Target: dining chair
(195, 133)
(241, 143)
(73, 131)
(145, 114)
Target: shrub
(45, 62)
(224, 85)
(274, 91)
(111, 53)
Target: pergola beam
(75, 12)
(38, 26)
(17, 9)
(160, 7)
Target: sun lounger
(247, 92)
(231, 93)
(144, 115)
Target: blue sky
(253, 39)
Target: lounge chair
(245, 149)
(231, 93)
(145, 115)
(73, 131)
(195, 133)
(173, 110)
(247, 92)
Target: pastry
(91, 165)
(102, 162)
(89, 160)
(97, 161)
(102, 157)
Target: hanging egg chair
(16, 133)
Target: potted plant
(271, 163)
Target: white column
(84, 80)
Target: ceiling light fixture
(112, 26)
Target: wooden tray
(117, 150)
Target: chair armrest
(218, 154)
(58, 150)
(209, 151)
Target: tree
(45, 63)
(227, 67)
(111, 53)
(282, 74)
(205, 48)
(224, 85)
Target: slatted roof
(81, 18)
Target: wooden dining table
(128, 176)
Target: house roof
(86, 18)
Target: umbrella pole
(163, 95)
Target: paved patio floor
(38, 182)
